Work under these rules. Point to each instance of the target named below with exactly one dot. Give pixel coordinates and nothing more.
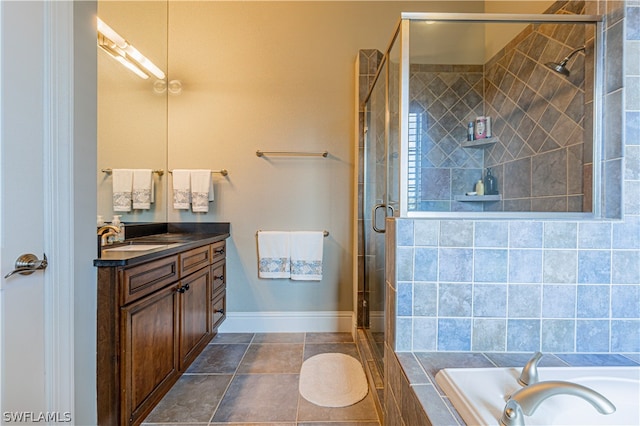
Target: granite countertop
(422, 367)
(170, 238)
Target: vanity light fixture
(122, 51)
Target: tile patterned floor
(251, 379)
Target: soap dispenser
(490, 183)
(116, 222)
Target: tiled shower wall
(443, 98)
(540, 158)
(527, 285)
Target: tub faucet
(526, 400)
(529, 374)
(103, 233)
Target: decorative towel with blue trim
(122, 189)
(142, 188)
(306, 255)
(273, 254)
(181, 189)
(201, 190)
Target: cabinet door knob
(181, 289)
(220, 311)
(186, 287)
(219, 251)
(218, 277)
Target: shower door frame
(403, 30)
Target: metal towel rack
(159, 172)
(325, 233)
(292, 153)
(223, 172)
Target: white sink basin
(137, 247)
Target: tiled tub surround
(414, 397)
(554, 286)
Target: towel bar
(292, 153)
(223, 172)
(325, 233)
(159, 172)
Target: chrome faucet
(105, 232)
(526, 400)
(529, 374)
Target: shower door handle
(374, 217)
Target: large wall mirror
(132, 110)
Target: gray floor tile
(278, 338)
(232, 338)
(272, 358)
(192, 399)
(259, 398)
(364, 410)
(345, 337)
(219, 359)
(323, 348)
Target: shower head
(561, 68)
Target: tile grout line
(233, 376)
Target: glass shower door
(375, 210)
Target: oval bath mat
(333, 380)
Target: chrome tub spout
(526, 400)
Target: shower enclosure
(534, 76)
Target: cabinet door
(194, 315)
(149, 352)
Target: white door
(36, 311)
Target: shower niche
(533, 75)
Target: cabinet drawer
(218, 278)
(219, 310)
(142, 280)
(192, 260)
(218, 251)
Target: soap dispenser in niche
(490, 183)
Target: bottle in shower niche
(490, 183)
(470, 130)
(481, 128)
(479, 187)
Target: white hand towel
(306, 255)
(142, 188)
(122, 188)
(201, 190)
(273, 254)
(181, 189)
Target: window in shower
(542, 119)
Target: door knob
(27, 264)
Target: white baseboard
(288, 322)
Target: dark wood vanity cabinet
(154, 319)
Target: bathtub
(479, 395)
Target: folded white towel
(181, 189)
(306, 255)
(273, 254)
(142, 188)
(201, 190)
(122, 188)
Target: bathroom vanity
(161, 298)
